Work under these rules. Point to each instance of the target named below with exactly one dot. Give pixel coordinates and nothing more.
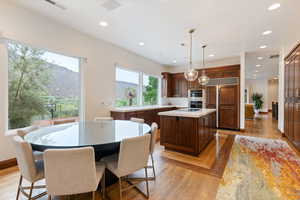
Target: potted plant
(258, 102)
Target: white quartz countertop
(139, 108)
(186, 113)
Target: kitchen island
(187, 130)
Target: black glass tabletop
(88, 133)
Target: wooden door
(211, 96)
(168, 126)
(228, 106)
(296, 103)
(186, 126)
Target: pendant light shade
(191, 74)
(203, 79)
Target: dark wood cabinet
(229, 107)
(211, 96)
(187, 135)
(292, 97)
(149, 116)
(174, 85)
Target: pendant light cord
(203, 63)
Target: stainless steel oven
(196, 104)
(196, 98)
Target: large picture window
(42, 86)
(136, 88)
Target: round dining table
(105, 136)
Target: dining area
(85, 157)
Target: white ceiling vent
(110, 5)
(54, 3)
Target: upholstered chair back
(154, 128)
(25, 159)
(70, 171)
(24, 131)
(134, 154)
(97, 119)
(139, 120)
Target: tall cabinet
(292, 97)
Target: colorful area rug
(260, 169)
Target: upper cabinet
(175, 85)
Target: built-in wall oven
(196, 98)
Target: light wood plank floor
(173, 181)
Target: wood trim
(270, 110)
(222, 67)
(242, 130)
(8, 163)
(292, 51)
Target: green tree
(28, 77)
(151, 90)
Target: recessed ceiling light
(275, 77)
(174, 61)
(274, 6)
(211, 55)
(263, 46)
(260, 58)
(141, 43)
(256, 71)
(103, 23)
(268, 32)
(258, 65)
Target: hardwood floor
(175, 180)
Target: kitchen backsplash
(178, 101)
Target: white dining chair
(73, 171)
(38, 155)
(30, 169)
(154, 129)
(138, 120)
(99, 119)
(133, 156)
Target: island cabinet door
(186, 137)
(168, 130)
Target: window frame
(140, 100)
(81, 62)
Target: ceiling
(227, 27)
(262, 68)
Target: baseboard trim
(8, 163)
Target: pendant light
(203, 79)
(191, 74)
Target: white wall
(272, 92)
(22, 25)
(258, 86)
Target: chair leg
(120, 188)
(19, 186)
(30, 191)
(93, 195)
(103, 185)
(153, 168)
(49, 197)
(147, 185)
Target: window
(150, 90)
(42, 86)
(135, 88)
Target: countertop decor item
(203, 79)
(191, 74)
